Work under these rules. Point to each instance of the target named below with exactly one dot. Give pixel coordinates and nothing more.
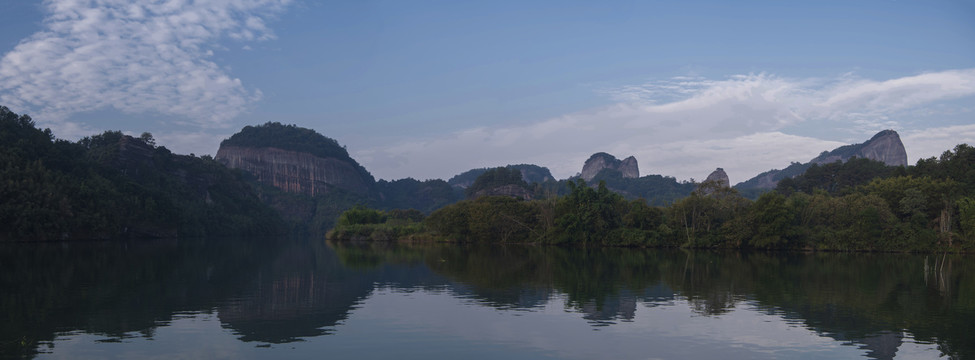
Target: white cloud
(134, 56)
(188, 142)
(932, 142)
(686, 127)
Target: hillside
(885, 147)
(310, 179)
(113, 185)
(529, 173)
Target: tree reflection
(278, 291)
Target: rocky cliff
(294, 171)
(719, 177)
(885, 146)
(294, 159)
(601, 161)
(716, 180)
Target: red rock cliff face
(294, 172)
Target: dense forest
(115, 186)
(859, 205)
(530, 173)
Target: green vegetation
(495, 178)
(656, 189)
(425, 196)
(360, 223)
(838, 177)
(530, 173)
(288, 137)
(860, 205)
(114, 186)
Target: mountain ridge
(885, 146)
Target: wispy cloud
(686, 127)
(134, 56)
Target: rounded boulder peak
(294, 159)
(886, 147)
(600, 161)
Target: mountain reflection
(280, 291)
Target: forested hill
(294, 138)
(288, 137)
(529, 173)
(116, 186)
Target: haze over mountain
(430, 90)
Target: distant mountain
(310, 178)
(623, 177)
(500, 181)
(600, 161)
(294, 159)
(885, 146)
(529, 173)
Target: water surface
(262, 298)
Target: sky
(428, 89)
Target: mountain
(885, 146)
(719, 177)
(294, 159)
(310, 179)
(600, 161)
(501, 181)
(111, 186)
(529, 173)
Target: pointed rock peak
(717, 180)
(719, 177)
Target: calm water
(241, 299)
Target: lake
(274, 299)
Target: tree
(146, 137)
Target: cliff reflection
(278, 291)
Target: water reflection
(278, 293)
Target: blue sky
(428, 89)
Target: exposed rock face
(601, 161)
(293, 171)
(885, 146)
(719, 177)
(629, 168)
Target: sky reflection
(416, 324)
